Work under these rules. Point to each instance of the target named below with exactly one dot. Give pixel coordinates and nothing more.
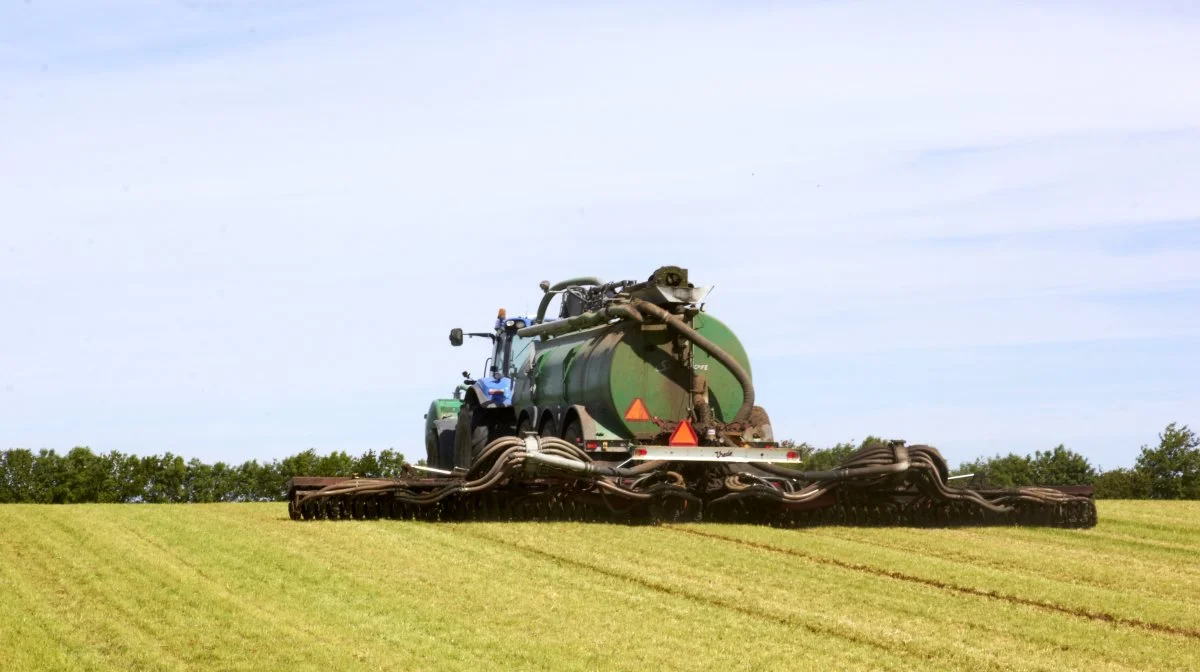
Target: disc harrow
(548, 479)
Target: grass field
(240, 586)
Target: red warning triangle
(637, 411)
(684, 435)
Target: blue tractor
(482, 407)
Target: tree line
(46, 477)
(1169, 470)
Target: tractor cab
(494, 388)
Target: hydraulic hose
(834, 474)
(581, 322)
(549, 295)
(590, 468)
(500, 445)
(743, 378)
(895, 460)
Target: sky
(238, 230)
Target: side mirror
(456, 337)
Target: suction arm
(550, 291)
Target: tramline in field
(637, 405)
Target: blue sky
(236, 230)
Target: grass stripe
(242, 587)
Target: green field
(240, 586)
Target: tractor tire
(470, 436)
(443, 446)
(431, 448)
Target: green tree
(391, 464)
(249, 483)
(335, 464)
(164, 478)
(112, 487)
(824, 459)
(16, 476)
(199, 483)
(1008, 471)
(301, 464)
(1122, 484)
(1173, 468)
(82, 475)
(367, 464)
(46, 479)
(1061, 467)
(268, 486)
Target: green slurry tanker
(634, 404)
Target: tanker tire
(573, 432)
(549, 427)
(524, 426)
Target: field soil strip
(675, 591)
(966, 590)
(1032, 564)
(915, 621)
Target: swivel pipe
(743, 413)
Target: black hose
(549, 295)
(503, 443)
(889, 463)
(743, 378)
(591, 468)
(581, 322)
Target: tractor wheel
(445, 449)
(431, 449)
(470, 436)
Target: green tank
(626, 363)
(591, 381)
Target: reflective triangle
(684, 435)
(637, 411)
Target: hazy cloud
(240, 229)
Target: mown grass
(236, 586)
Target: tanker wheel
(548, 430)
(549, 427)
(524, 426)
(572, 432)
